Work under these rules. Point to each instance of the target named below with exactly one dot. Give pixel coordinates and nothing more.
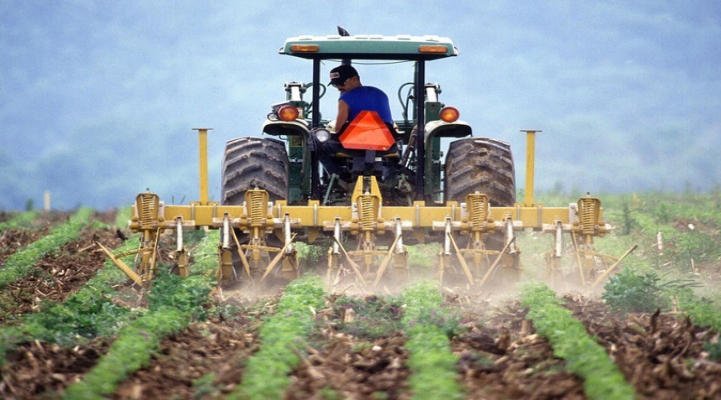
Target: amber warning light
(304, 48)
(449, 114)
(288, 113)
(432, 49)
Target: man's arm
(342, 117)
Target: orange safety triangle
(367, 132)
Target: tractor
(391, 185)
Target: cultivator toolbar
(367, 239)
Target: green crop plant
(422, 257)
(21, 263)
(569, 340)
(87, 313)
(122, 217)
(128, 353)
(309, 254)
(22, 220)
(281, 337)
(431, 361)
(173, 303)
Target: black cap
(338, 75)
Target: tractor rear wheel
(253, 162)
(483, 166)
(250, 163)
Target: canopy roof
(372, 47)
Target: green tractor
(288, 168)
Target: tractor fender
(440, 128)
(287, 128)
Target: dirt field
(500, 355)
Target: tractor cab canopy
(374, 47)
(346, 48)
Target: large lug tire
(250, 163)
(253, 162)
(480, 165)
(484, 166)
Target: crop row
(173, 302)
(431, 361)
(22, 220)
(19, 264)
(281, 336)
(568, 337)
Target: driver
(354, 98)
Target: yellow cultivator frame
(462, 227)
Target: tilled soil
(44, 370)
(353, 368)
(660, 354)
(215, 350)
(502, 359)
(58, 275)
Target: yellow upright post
(530, 157)
(203, 163)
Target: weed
(203, 387)
(631, 291)
(634, 292)
(374, 317)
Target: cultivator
(379, 234)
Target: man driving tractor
(354, 99)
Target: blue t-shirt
(367, 98)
